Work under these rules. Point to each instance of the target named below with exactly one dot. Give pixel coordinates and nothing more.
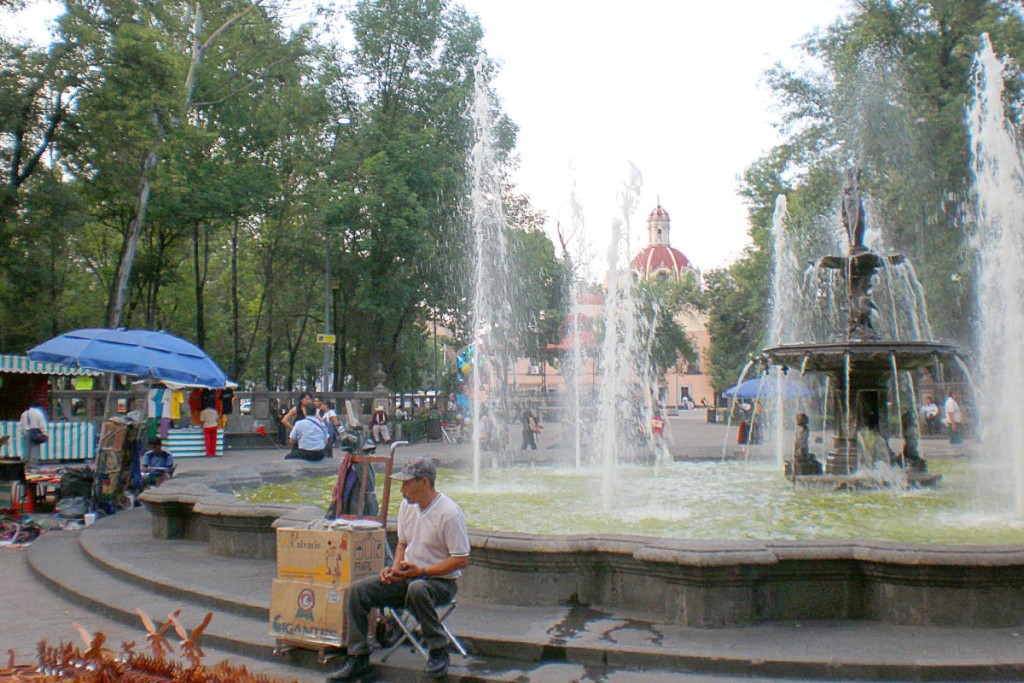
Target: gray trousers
(32, 452)
(419, 596)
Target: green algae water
(701, 500)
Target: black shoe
(437, 665)
(355, 665)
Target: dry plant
(94, 663)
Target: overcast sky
(675, 88)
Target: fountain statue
(864, 369)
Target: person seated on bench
(157, 464)
(380, 431)
(308, 437)
(433, 549)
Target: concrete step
(58, 560)
(115, 565)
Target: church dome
(660, 259)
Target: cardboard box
(304, 612)
(334, 557)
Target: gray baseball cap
(416, 469)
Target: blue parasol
(767, 387)
(143, 353)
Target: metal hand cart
(353, 509)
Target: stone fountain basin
(830, 357)
(698, 583)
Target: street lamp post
(343, 120)
(327, 312)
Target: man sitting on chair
(433, 548)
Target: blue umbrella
(767, 387)
(143, 353)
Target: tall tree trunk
(268, 347)
(119, 290)
(199, 273)
(115, 310)
(236, 354)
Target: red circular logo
(306, 600)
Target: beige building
(659, 259)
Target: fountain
(997, 162)
(717, 544)
(864, 364)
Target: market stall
(172, 367)
(23, 382)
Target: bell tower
(658, 226)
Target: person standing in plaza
(433, 549)
(32, 426)
(954, 418)
(210, 421)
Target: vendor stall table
(68, 441)
(189, 443)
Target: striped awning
(25, 365)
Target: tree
(662, 301)
(401, 220)
(891, 99)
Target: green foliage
(233, 119)
(662, 301)
(890, 97)
(738, 303)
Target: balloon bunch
(464, 362)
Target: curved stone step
(182, 569)
(58, 559)
(115, 566)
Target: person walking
(954, 418)
(530, 429)
(32, 426)
(433, 549)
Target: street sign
(325, 339)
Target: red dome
(655, 257)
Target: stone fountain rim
(214, 495)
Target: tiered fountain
(864, 368)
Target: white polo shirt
(433, 535)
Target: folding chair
(410, 630)
(452, 433)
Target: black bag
(35, 435)
(76, 483)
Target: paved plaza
(109, 569)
